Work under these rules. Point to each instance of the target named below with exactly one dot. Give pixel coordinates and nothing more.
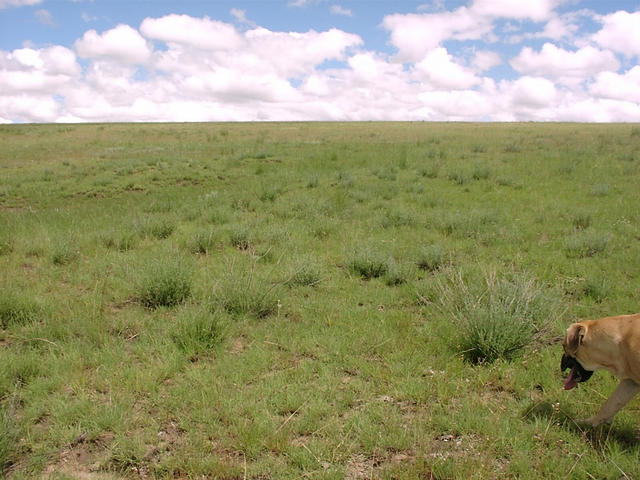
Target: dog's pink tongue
(570, 382)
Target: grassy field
(284, 301)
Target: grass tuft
(165, 283)
(242, 292)
(63, 253)
(305, 272)
(120, 240)
(241, 237)
(431, 257)
(198, 331)
(6, 246)
(397, 273)
(599, 190)
(202, 242)
(597, 289)
(497, 318)
(17, 309)
(368, 263)
(581, 221)
(10, 433)
(586, 243)
(160, 228)
(431, 169)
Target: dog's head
(571, 344)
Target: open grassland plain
(284, 301)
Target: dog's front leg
(624, 392)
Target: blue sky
(481, 60)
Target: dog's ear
(575, 334)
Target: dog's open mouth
(576, 375)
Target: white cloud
(241, 17)
(438, 70)
(416, 34)
(18, 3)
(338, 10)
(588, 109)
(42, 71)
(202, 33)
(29, 108)
(625, 87)
(554, 62)
(120, 44)
(620, 33)
(86, 18)
(559, 27)
(31, 79)
(484, 60)
(463, 105)
(536, 10)
(45, 18)
(182, 68)
(532, 92)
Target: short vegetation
(311, 300)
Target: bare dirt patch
(82, 459)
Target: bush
(165, 284)
(198, 331)
(499, 317)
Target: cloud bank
(183, 68)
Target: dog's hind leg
(624, 392)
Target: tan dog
(611, 343)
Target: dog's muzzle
(576, 375)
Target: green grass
(498, 317)
(323, 301)
(18, 309)
(198, 331)
(164, 282)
